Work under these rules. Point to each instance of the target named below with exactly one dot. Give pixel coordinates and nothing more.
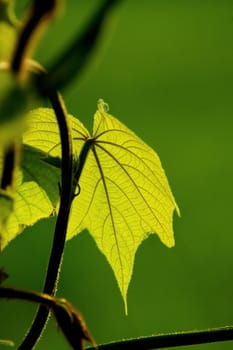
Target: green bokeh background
(167, 73)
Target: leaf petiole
(82, 159)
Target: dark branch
(177, 339)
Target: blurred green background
(167, 73)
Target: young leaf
(124, 193)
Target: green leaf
(36, 193)
(124, 196)
(124, 193)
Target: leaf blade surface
(125, 196)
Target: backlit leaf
(125, 195)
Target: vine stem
(177, 339)
(67, 193)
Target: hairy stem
(170, 340)
(61, 224)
